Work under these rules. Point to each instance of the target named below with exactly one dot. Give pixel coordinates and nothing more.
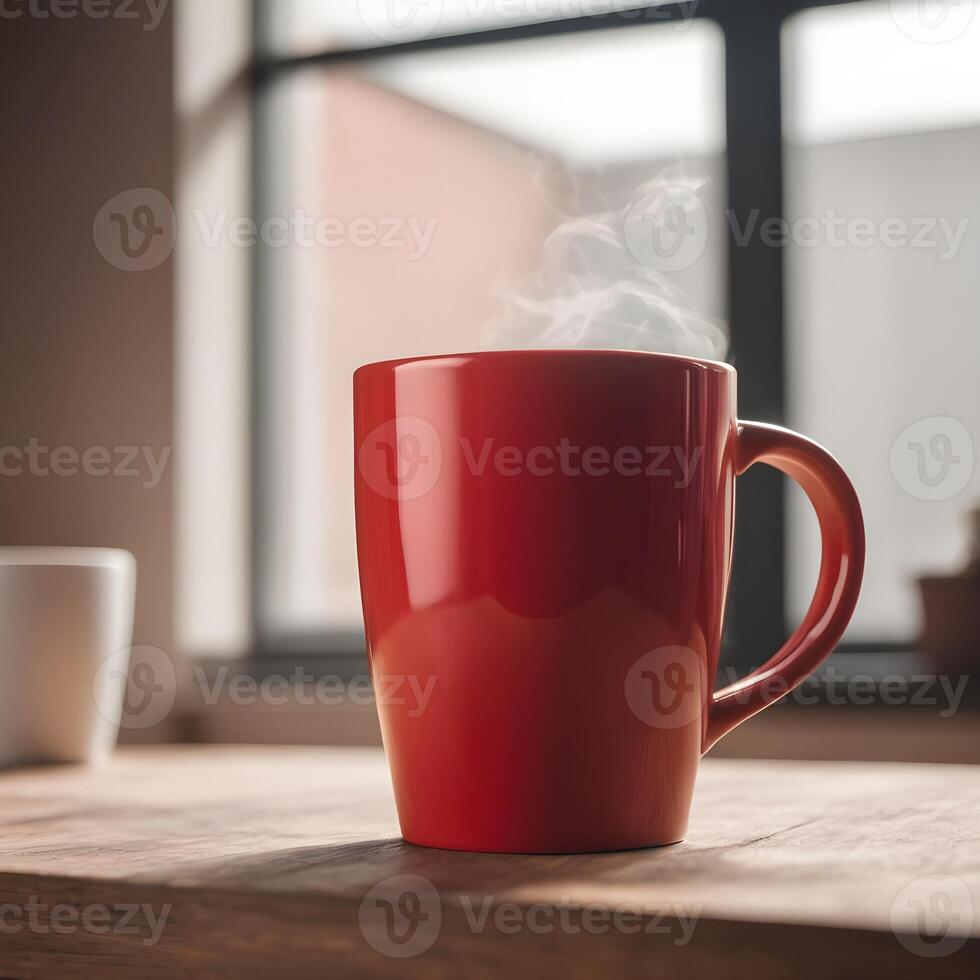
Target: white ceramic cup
(63, 613)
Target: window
(882, 128)
(428, 181)
(409, 160)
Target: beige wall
(86, 355)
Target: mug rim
(707, 363)
(40, 556)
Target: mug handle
(838, 585)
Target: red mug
(545, 542)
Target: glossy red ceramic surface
(545, 541)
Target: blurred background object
(216, 211)
(951, 611)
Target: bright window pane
(466, 161)
(882, 123)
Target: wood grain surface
(242, 862)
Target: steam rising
(597, 289)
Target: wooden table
(286, 862)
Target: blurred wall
(86, 347)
